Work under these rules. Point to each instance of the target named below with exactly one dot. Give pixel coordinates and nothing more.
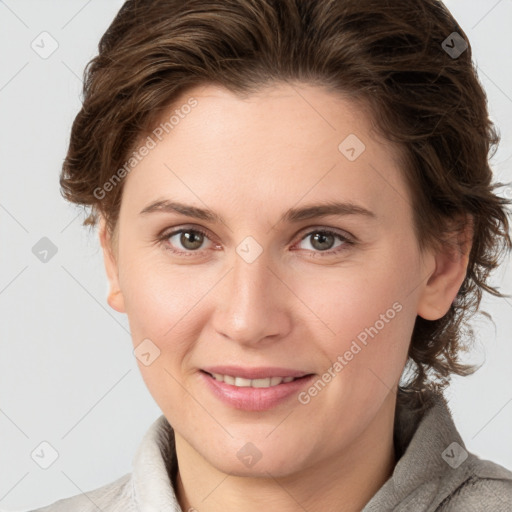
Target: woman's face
(273, 288)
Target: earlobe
(442, 286)
(116, 301)
(115, 297)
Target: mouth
(256, 394)
(241, 382)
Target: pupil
(322, 238)
(187, 239)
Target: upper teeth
(254, 383)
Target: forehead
(272, 149)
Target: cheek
(366, 316)
(157, 294)
(165, 304)
(160, 308)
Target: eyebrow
(292, 215)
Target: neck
(345, 481)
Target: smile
(253, 383)
(261, 394)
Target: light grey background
(67, 371)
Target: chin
(246, 460)
(263, 469)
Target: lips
(254, 390)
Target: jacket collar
(428, 447)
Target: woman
(297, 215)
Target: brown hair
(391, 56)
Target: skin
(250, 160)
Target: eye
(323, 241)
(190, 240)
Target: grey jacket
(434, 473)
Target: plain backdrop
(68, 376)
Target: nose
(251, 307)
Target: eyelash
(347, 242)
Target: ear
(115, 297)
(450, 267)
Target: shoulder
(113, 497)
(487, 486)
